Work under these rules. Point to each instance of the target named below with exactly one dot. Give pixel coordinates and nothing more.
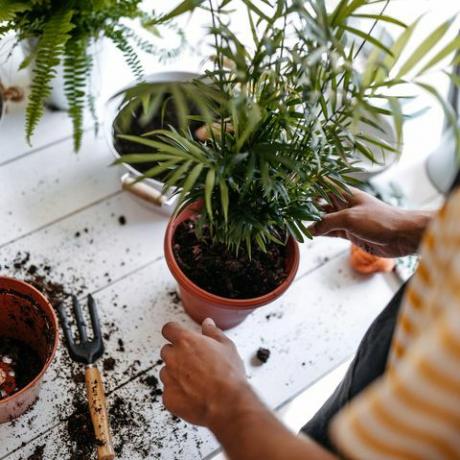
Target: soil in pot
(219, 271)
(133, 123)
(19, 365)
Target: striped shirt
(413, 411)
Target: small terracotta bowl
(26, 315)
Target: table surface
(64, 208)
(62, 211)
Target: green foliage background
(286, 113)
(62, 31)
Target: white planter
(57, 99)
(149, 191)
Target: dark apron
(369, 364)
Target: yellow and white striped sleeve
(413, 412)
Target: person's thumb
(209, 329)
(329, 223)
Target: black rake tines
(84, 351)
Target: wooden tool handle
(98, 411)
(142, 191)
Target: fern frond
(163, 54)
(117, 35)
(9, 9)
(77, 67)
(50, 49)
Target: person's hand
(373, 225)
(203, 375)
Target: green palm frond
(49, 53)
(288, 115)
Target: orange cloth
(366, 263)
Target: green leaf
(398, 119)
(209, 186)
(295, 232)
(177, 175)
(450, 48)
(49, 52)
(190, 181)
(185, 7)
(224, 198)
(424, 48)
(9, 9)
(368, 38)
(381, 17)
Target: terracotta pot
(200, 304)
(26, 315)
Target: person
(400, 399)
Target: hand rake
(88, 352)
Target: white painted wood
(13, 144)
(95, 260)
(48, 184)
(309, 332)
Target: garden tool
(88, 351)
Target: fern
(50, 49)
(9, 9)
(121, 42)
(77, 67)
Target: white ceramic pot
(149, 190)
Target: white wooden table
(49, 195)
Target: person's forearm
(411, 230)
(247, 430)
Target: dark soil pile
(218, 271)
(163, 118)
(19, 365)
(37, 453)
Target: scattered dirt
(263, 354)
(122, 220)
(175, 299)
(80, 431)
(19, 365)
(37, 453)
(109, 364)
(217, 270)
(152, 382)
(45, 278)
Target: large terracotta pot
(200, 304)
(26, 315)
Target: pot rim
(54, 324)
(224, 302)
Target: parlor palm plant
(287, 116)
(62, 32)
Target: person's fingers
(166, 353)
(173, 332)
(335, 221)
(209, 329)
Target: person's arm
(373, 225)
(205, 384)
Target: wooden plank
(46, 185)
(53, 127)
(309, 331)
(103, 253)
